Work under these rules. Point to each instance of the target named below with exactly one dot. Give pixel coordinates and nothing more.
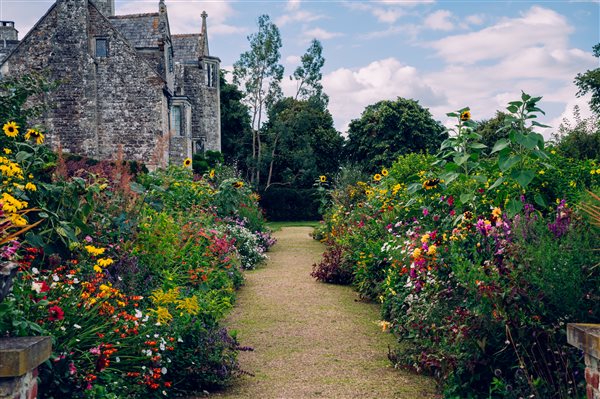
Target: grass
(276, 226)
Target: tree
(581, 140)
(303, 142)
(589, 82)
(389, 129)
(259, 71)
(491, 130)
(236, 129)
(308, 75)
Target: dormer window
(101, 47)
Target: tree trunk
(271, 164)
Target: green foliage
(204, 162)
(14, 93)
(308, 75)
(389, 129)
(236, 129)
(491, 130)
(289, 204)
(581, 140)
(589, 82)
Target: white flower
(55, 277)
(118, 359)
(76, 280)
(37, 287)
(162, 346)
(62, 328)
(35, 270)
(179, 339)
(77, 326)
(163, 370)
(138, 314)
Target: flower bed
(129, 274)
(478, 264)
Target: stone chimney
(106, 7)
(8, 31)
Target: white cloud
(538, 27)
(439, 20)
(320, 34)
(386, 11)
(293, 59)
(297, 16)
(292, 5)
(389, 15)
(350, 91)
(475, 19)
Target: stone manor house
(124, 81)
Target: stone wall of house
(131, 107)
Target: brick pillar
(19, 360)
(587, 338)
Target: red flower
(55, 313)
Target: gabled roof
(186, 48)
(141, 30)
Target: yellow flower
(34, 135)
(385, 325)
(17, 220)
(377, 177)
(431, 250)
(30, 187)
(368, 193)
(238, 184)
(572, 183)
(164, 298)
(94, 250)
(465, 116)
(431, 183)
(323, 178)
(7, 151)
(190, 305)
(97, 269)
(212, 174)
(104, 287)
(497, 212)
(187, 162)
(104, 262)
(593, 172)
(11, 129)
(417, 253)
(425, 238)
(541, 172)
(384, 172)
(162, 314)
(553, 152)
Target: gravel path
(311, 340)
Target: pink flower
(425, 212)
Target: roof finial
(204, 36)
(162, 7)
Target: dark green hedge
(290, 204)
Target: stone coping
(585, 337)
(20, 355)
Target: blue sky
(446, 54)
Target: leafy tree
(303, 142)
(260, 73)
(308, 75)
(236, 129)
(581, 140)
(491, 130)
(389, 129)
(589, 82)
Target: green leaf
(459, 160)
(466, 197)
(506, 162)
(512, 108)
(523, 176)
(137, 188)
(478, 146)
(413, 188)
(22, 156)
(514, 206)
(500, 145)
(450, 177)
(540, 200)
(516, 103)
(480, 179)
(498, 182)
(525, 96)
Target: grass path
(311, 340)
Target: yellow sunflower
(187, 162)
(11, 129)
(34, 135)
(377, 177)
(465, 116)
(212, 174)
(323, 178)
(431, 183)
(238, 184)
(384, 172)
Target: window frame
(106, 46)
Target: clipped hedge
(290, 204)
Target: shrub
(288, 204)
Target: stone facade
(124, 81)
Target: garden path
(311, 340)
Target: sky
(446, 54)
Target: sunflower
(377, 177)
(238, 184)
(187, 162)
(465, 116)
(34, 135)
(212, 174)
(431, 183)
(323, 178)
(11, 129)
(384, 172)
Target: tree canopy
(589, 82)
(389, 129)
